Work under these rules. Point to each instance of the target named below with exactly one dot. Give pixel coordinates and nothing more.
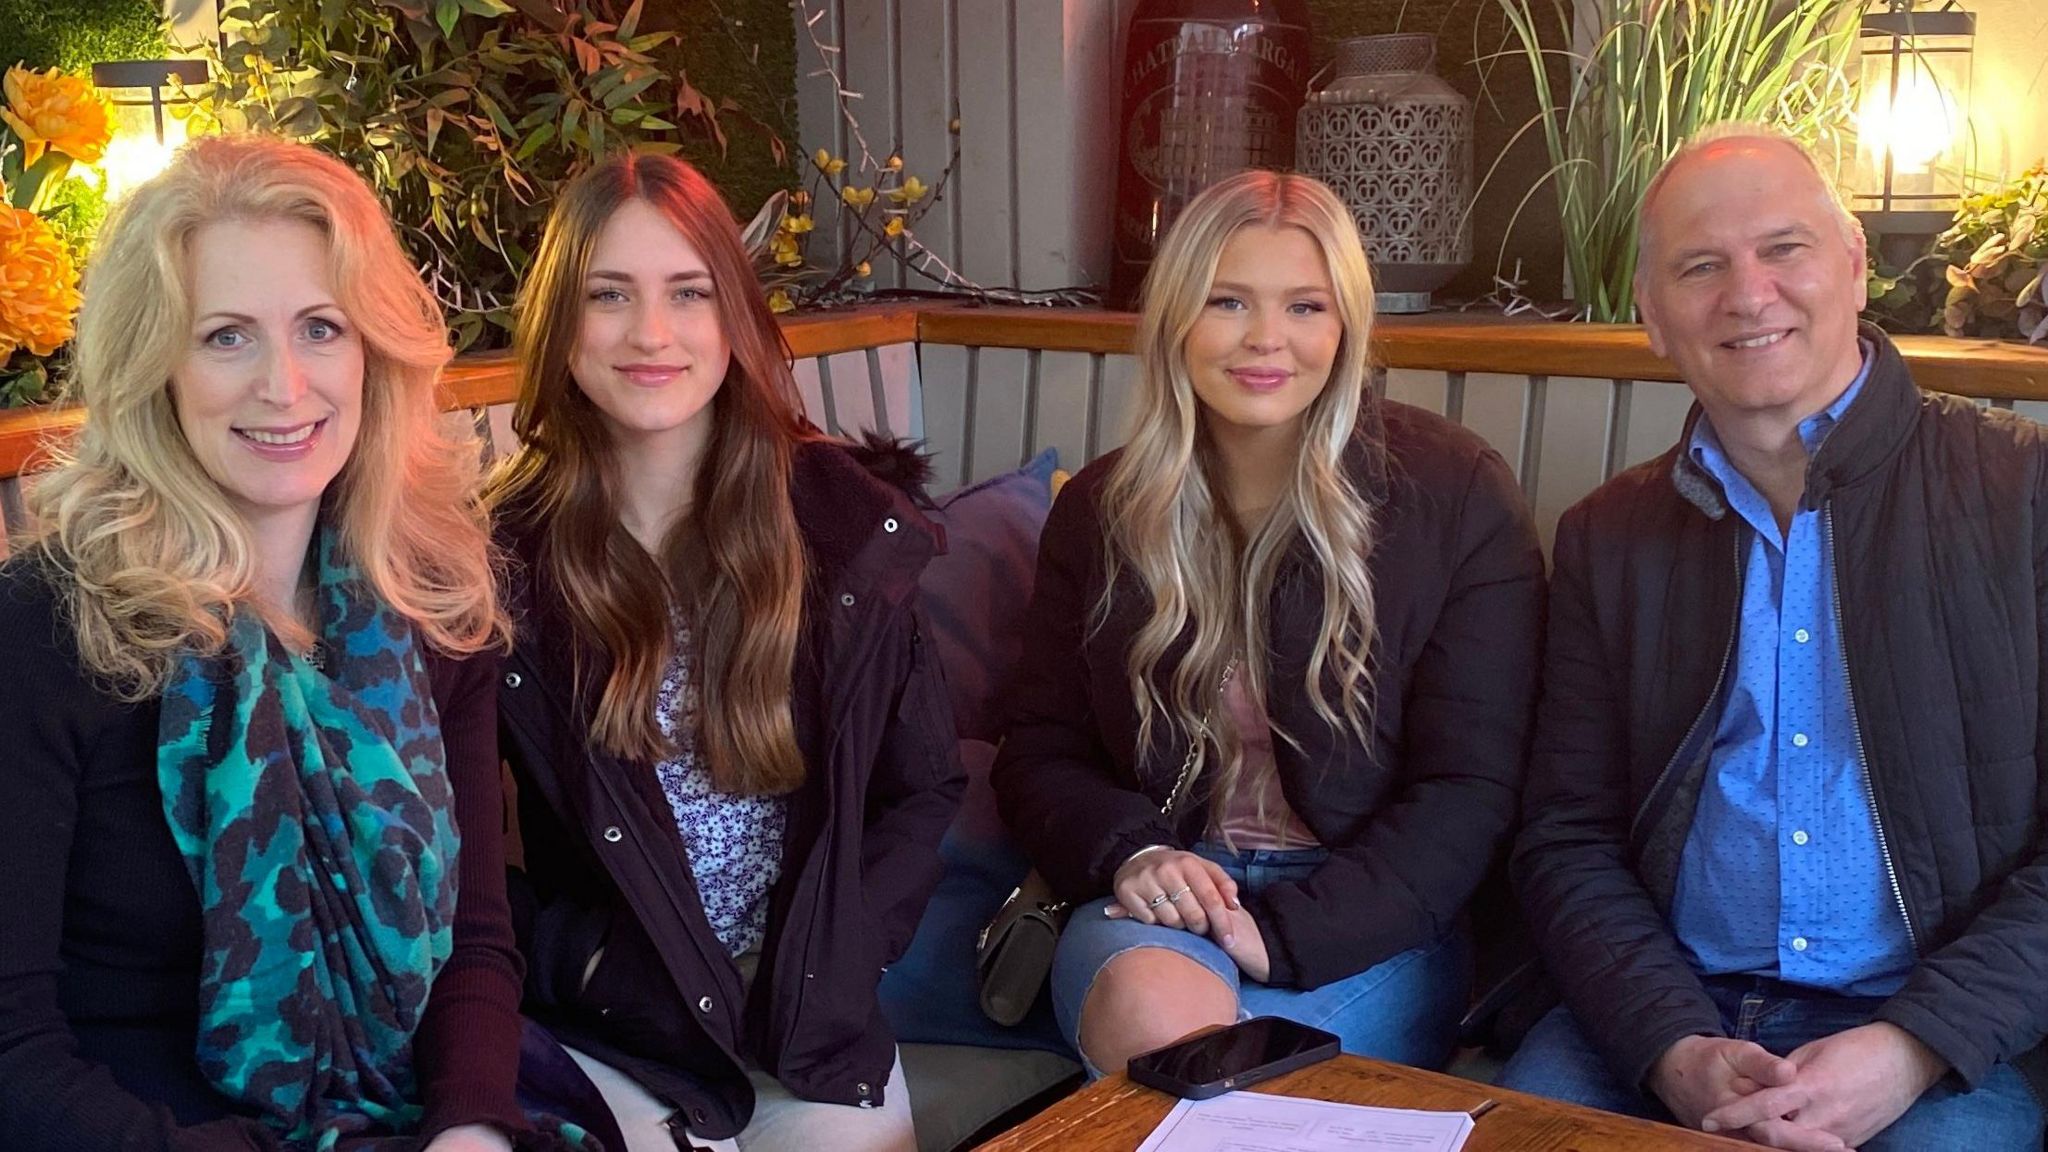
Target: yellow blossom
(782, 246)
(893, 228)
(827, 163)
(863, 270)
(799, 199)
(858, 197)
(895, 164)
(796, 225)
(911, 192)
(50, 110)
(779, 301)
(38, 285)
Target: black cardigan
(99, 954)
(1413, 819)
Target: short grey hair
(1831, 190)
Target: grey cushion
(956, 1090)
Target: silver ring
(1184, 890)
(1156, 901)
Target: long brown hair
(734, 567)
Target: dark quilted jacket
(605, 867)
(1412, 817)
(1938, 516)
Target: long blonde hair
(1207, 580)
(734, 567)
(158, 560)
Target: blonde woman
(1307, 616)
(250, 824)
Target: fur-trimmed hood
(862, 504)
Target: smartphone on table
(1246, 1053)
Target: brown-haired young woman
(733, 751)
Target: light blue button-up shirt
(1783, 873)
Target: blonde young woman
(734, 752)
(250, 824)
(1308, 616)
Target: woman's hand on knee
(1176, 889)
(1239, 937)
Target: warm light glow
(135, 156)
(1917, 125)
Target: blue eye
(322, 330)
(1229, 303)
(607, 295)
(1306, 307)
(225, 338)
(691, 295)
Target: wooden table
(1115, 1115)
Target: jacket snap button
(698, 1115)
(846, 599)
(861, 1088)
(889, 525)
(612, 835)
(704, 1005)
(512, 680)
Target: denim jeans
(1405, 1008)
(2002, 1115)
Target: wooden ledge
(1445, 342)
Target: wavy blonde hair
(736, 565)
(158, 559)
(1207, 578)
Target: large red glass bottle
(1211, 87)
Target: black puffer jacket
(1937, 514)
(605, 867)
(1413, 817)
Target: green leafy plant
(465, 115)
(1996, 252)
(1655, 72)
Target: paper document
(1257, 1122)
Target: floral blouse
(734, 843)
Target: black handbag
(1013, 954)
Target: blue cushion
(975, 597)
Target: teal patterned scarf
(315, 815)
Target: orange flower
(50, 110)
(38, 285)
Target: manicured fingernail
(1109, 910)
(1710, 1126)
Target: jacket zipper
(1727, 654)
(1884, 847)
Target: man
(1784, 831)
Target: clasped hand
(1199, 897)
(1827, 1096)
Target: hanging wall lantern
(1912, 118)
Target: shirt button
(612, 835)
(1799, 740)
(1802, 635)
(1799, 837)
(704, 1004)
(889, 525)
(512, 680)
(1799, 943)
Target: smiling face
(651, 350)
(1749, 284)
(269, 393)
(1260, 352)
